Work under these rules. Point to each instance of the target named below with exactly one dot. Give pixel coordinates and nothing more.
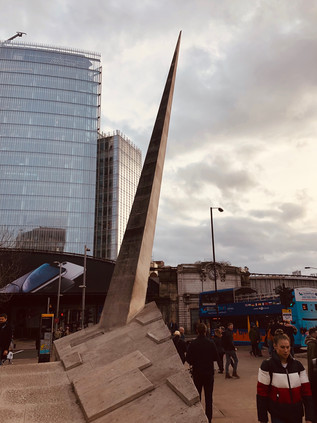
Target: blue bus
(243, 305)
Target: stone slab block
(149, 314)
(160, 406)
(86, 337)
(111, 395)
(159, 335)
(74, 373)
(109, 372)
(184, 387)
(72, 360)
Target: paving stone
(63, 412)
(39, 395)
(11, 415)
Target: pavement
(234, 399)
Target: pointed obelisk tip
(127, 291)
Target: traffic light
(286, 297)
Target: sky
(243, 123)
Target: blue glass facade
(49, 120)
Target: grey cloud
(219, 172)
(265, 247)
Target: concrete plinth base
(132, 373)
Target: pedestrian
(283, 387)
(5, 337)
(270, 337)
(10, 357)
(67, 331)
(172, 326)
(277, 325)
(58, 333)
(202, 353)
(182, 332)
(180, 345)
(311, 342)
(254, 336)
(221, 352)
(230, 351)
(290, 331)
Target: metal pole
(214, 260)
(84, 289)
(58, 293)
(48, 305)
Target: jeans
(231, 354)
(206, 381)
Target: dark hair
(312, 330)
(229, 324)
(201, 328)
(281, 337)
(3, 315)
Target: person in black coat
(221, 352)
(202, 353)
(5, 337)
(230, 351)
(180, 345)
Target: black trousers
(206, 382)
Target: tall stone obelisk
(128, 286)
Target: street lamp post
(214, 255)
(58, 292)
(310, 267)
(83, 286)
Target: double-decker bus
(241, 306)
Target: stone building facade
(192, 279)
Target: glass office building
(119, 165)
(49, 120)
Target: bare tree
(7, 239)
(10, 260)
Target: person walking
(311, 342)
(269, 337)
(283, 387)
(180, 345)
(202, 353)
(5, 337)
(218, 342)
(290, 331)
(182, 332)
(230, 351)
(254, 336)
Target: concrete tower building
(49, 120)
(119, 165)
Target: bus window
(304, 307)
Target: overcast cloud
(244, 119)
